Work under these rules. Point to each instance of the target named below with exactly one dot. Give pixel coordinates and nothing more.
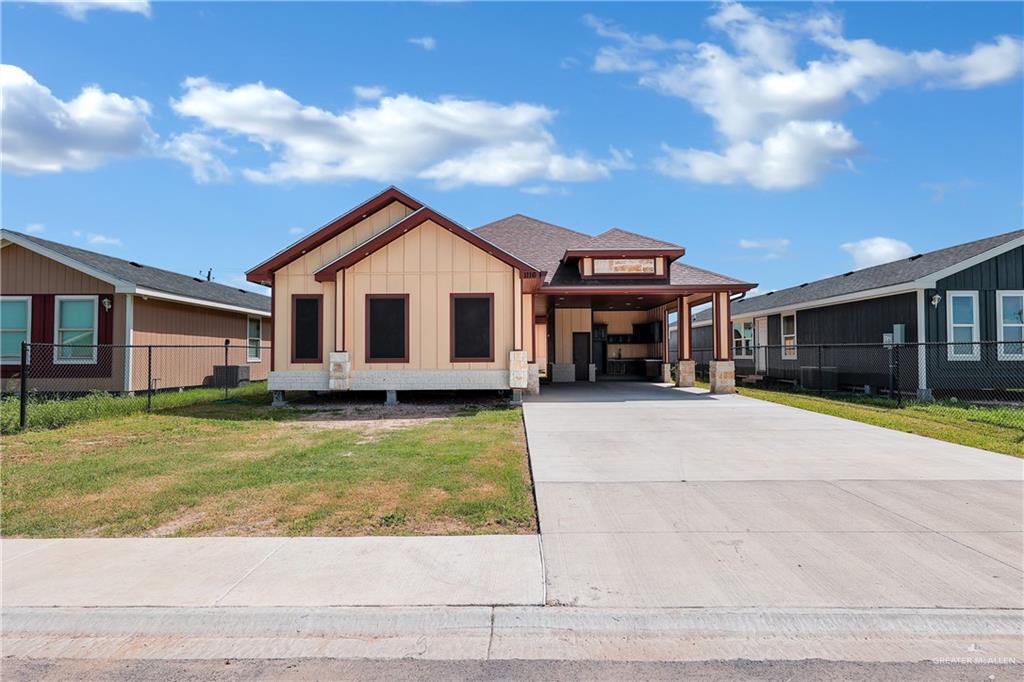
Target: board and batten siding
(429, 263)
(27, 273)
(167, 324)
(1004, 272)
(568, 321)
(297, 278)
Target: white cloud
(35, 228)
(771, 249)
(876, 250)
(449, 140)
(543, 190)
(198, 152)
(753, 87)
(79, 9)
(295, 230)
(426, 42)
(44, 134)
(794, 156)
(369, 91)
(103, 240)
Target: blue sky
(778, 143)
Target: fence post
(821, 378)
(226, 343)
(896, 374)
(149, 378)
(23, 390)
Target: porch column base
(339, 375)
(723, 376)
(686, 373)
(592, 374)
(391, 398)
(532, 379)
(666, 373)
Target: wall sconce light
(936, 298)
(106, 304)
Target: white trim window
(788, 324)
(743, 339)
(962, 331)
(15, 327)
(254, 339)
(1010, 329)
(76, 322)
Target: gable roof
(261, 274)
(906, 271)
(131, 277)
(357, 253)
(544, 244)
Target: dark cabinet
(647, 332)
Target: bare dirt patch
(371, 419)
(189, 518)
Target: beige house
(103, 312)
(395, 296)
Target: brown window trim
(366, 315)
(451, 327)
(320, 330)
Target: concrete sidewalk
(191, 572)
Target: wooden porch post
(722, 371)
(684, 328)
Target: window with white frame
(962, 325)
(743, 339)
(789, 351)
(1010, 333)
(254, 340)
(76, 328)
(15, 327)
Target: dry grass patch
(246, 469)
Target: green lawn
(244, 468)
(999, 429)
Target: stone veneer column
(340, 371)
(722, 369)
(686, 373)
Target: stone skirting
(299, 380)
(562, 373)
(686, 373)
(723, 376)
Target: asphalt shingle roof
(884, 275)
(155, 278)
(542, 245)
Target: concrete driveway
(653, 497)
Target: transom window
(254, 339)
(472, 328)
(76, 327)
(962, 325)
(387, 327)
(789, 350)
(1010, 312)
(15, 327)
(743, 339)
(624, 266)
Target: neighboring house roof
(912, 272)
(132, 277)
(357, 253)
(543, 245)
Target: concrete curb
(482, 633)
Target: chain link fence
(54, 382)
(986, 373)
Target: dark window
(307, 329)
(387, 329)
(472, 327)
